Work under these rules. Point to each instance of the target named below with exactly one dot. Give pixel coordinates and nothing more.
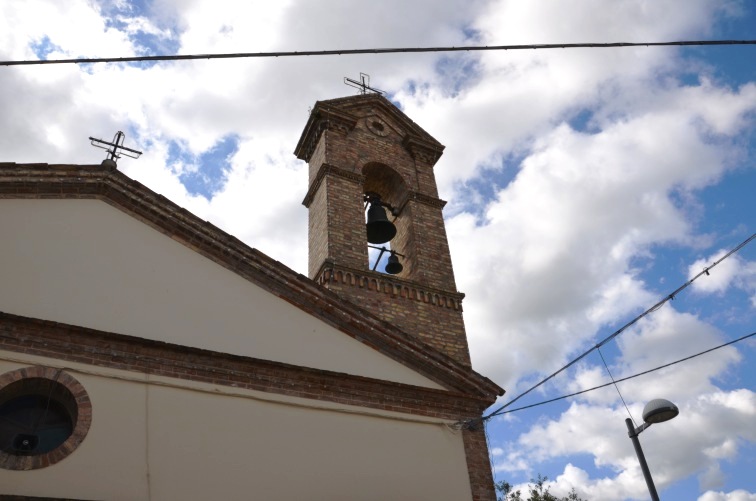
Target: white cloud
(738, 495)
(32, 21)
(719, 278)
(665, 337)
(564, 232)
(732, 272)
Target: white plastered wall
(86, 263)
(163, 439)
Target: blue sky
(583, 186)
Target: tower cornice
(423, 151)
(322, 118)
(331, 271)
(332, 170)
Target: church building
(145, 354)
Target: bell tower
(364, 152)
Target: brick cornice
(415, 196)
(421, 150)
(92, 347)
(43, 181)
(352, 104)
(330, 170)
(322, 118)
(13, 497)
(388, 284)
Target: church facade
(147, 354)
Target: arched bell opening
(386, 230)
(385, 182)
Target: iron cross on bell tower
(363, 85)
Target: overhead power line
(616, 333)
(396, 50)
(629, 377)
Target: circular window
(44, 415)
(377, 126)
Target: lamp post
(656, 411)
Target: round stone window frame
(83, 418)
(377, 126)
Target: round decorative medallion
(44, 415)
(377, 126)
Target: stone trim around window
(12, 385)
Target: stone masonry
(362, 144)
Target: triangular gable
(84, 262)
(345, 111)
(109, 185)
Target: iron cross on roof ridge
(363, 85)
(115, 145)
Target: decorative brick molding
(423, 199)
(422, 151)
(326, 169)
(322, 118)
(432, 315)
(342, 110)
(390, 285)
(79, 408)
(117, 351)
(8, 497)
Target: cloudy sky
(583, 186)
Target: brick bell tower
(364, 148)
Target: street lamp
(656, 411)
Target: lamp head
(659, 410)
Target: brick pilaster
(479, 465)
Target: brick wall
(336, 229)
(433, 315)
(364, 144)
(479, 464)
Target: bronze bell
(394, 266)
(379, 229)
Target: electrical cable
(616, 333)
(616, 387)
(628, 377)
(490, 452)
(396, 50)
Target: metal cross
(116, 145)
(363, 84)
